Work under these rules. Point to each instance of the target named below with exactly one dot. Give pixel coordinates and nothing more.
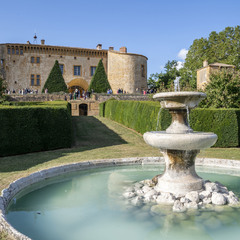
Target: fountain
(179, 144)
(179, 184)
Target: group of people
(120, 90)
(21, 91)
(77, 94)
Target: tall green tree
(223, 90)
(99, 82)
(2, 87)
(55, 81)
(165, 80)
(221, 47)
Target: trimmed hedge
(142, 116)
(27, 129)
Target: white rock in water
(138, 185)
(137, 201)
(218, 199)
(211, 187)
(192, 196)
(178, 207)
(207, 200)
(146, 189)
(150, 193)
(192, 205)
(184, 200)
(129, 194)
(139, 192)
(204, 194)
(232, 199)
(165, 198)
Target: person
(70, 96)
(46, 90)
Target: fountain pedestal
(179, 176)
(179, 144)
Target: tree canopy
(2, 87)
(55, 81)
(99, 82)
(223, 90)
(223, 47)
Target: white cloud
(179, 65)
(182, 53)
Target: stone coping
(18, 185)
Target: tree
(55, 81)
(223, 90)
(99, 82)
(2, 87)
(221, 47)
(164, 81)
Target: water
(87, 205)
(188, 119)
(158, 118)
(176, 84)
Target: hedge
(34, 128)
(142, 116)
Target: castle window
(17, 51)
(61, 67)
(143, 70)
(35, 80)
(35, 59)
(32, 79)
(9, 51)
(77, 71)
(92, 70)
(21, 51)
(38, 80)
(13, 51)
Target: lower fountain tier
(180, 141)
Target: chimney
(42, 42)
(28, 42)
(111, 48)
(123, 50)
(205, 63)
(99, 47)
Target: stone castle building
(204, 73)
(28, 66)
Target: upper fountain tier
(179, 135)
(179, 100)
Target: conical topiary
(99, 82)
(55, 81)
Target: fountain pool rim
(22, 183)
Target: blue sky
(155, 28)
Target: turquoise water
(87, 205)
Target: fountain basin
(180, 141)
(179, 100)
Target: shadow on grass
(88, 133)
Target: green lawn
(94, 138)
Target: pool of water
(87, 205)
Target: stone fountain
(179, 144)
